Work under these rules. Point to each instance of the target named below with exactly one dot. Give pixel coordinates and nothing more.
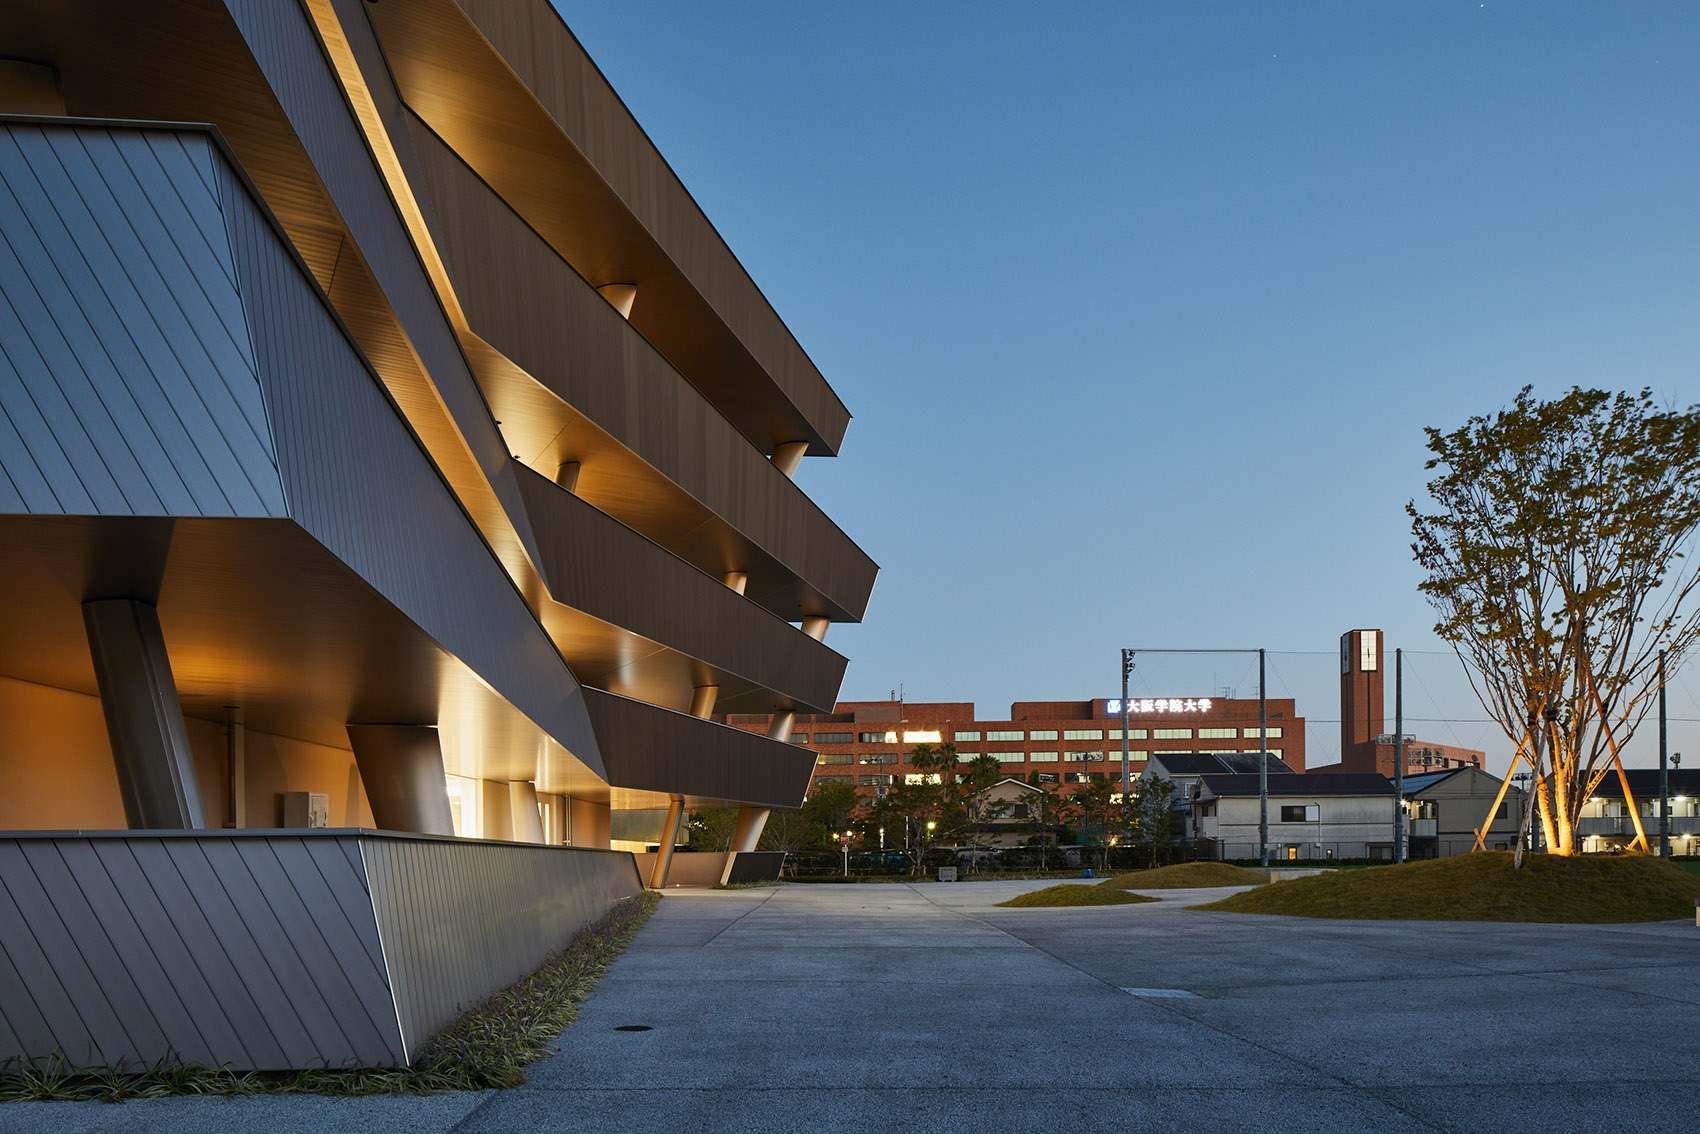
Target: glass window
(1083, 757)
(967, 757)
(879, 738)
(1132, 734)
(835, 758)
(920, 778)
(1251, 733)
(1084, 734)
(1300, 813)
(821, 781)
(1171, 734)
(1042, 757)
(1042, 734)
(1008, 757)
(1006, 735)
(967, 736)
(1218, 733)
(833, 737)
(923, 736)
(799, 738)
(874, 781)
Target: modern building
(1345, 815)
(1605, 824)
(390, 449)
(865, 743)
(1365, 743)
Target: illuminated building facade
(396, 474)
(865, 743)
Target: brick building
(1366, 744)
(866, 743)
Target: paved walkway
(885, 1007)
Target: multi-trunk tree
(1557, 556)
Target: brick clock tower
(1362, 717)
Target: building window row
(1171, 734)
(1006, 734)
(834, 737)
(1083, 734)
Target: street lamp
(846, 842)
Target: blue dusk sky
(1141, 308)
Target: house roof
(1644, 783)
(1216, 763)
(1416, 784)
(1293, 784)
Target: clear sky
(1141, 307)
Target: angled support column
(788, 456)
(815, 627)
(526, 820)
(144, 719)
(746, 833)
(401, 767)
(669, 837)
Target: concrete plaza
(883, 1007)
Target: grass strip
(1186, 875)
(1053, 896)
(489, 1045)
(1594, 889)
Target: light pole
(1262, 739)
(1664, 773)
(846, 842)
(1127, 779)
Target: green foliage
(1054, 896)
(1484, 887)
(488, 1046)
(711, 829)
(1556, 558)
(1153, 817)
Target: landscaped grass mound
(1185, 875)
(1484, 887)
(1075, 896)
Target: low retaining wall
(273, 950)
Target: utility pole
(1664, 770)
(1127, 776)
(1262, 763)
(1398, 754)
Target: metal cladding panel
(127, 374)
(359, 481)
(124, 948)
(595, 564)
(287, 49)
(529, 304)
(651, 749)
(460, 920)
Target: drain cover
(633, 1028)
(1160, 993)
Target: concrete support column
(621, 295)
(527, 821)
(789, 456)
(746, 833)
(669, 837)
(815, 627)
(589, 824)
(144, 719)
(702, 701)
(401, 767)
(236, 753)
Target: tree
(1096, 809)
(711, 829)
(1153, 816)
(1557, 559)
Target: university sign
(1159, 705)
